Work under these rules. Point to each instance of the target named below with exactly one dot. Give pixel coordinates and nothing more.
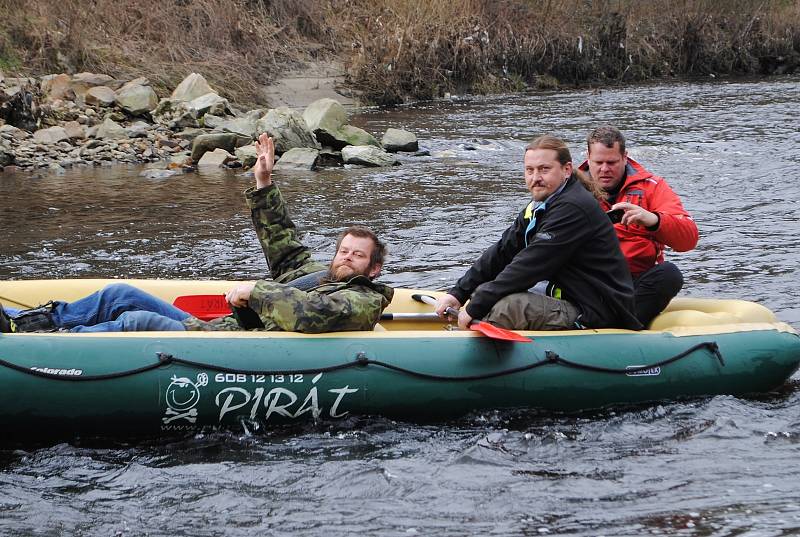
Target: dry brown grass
(397, 50)
(405, 51)
(237, 45)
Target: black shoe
(34, 320)
(5, 322)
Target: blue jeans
(118, 307)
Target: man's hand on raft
(449, 301)
(240, 295)
(265, 160)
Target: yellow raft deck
(683, 317)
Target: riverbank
(64, 68)
(59, 121)
(397, 51)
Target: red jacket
(644, 249)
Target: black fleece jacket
(573, 245)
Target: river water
(713, 466)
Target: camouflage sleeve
(286, 308)
(222, 324)
(286, 256)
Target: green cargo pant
(532, 311)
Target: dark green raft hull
(144, 384)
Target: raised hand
(265, 152)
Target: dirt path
(301, 87)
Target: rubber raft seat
(685, 312)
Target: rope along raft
(361, 360)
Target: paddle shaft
(487, 329)
(410, 317)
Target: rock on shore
(62, 120)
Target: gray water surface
(714, 466)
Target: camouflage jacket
(329, 307)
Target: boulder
(367, 155)
(324, 117)
(74, 130)
(215, 158)
(55, 87)
(228, 141)
(92, 79)
(325, 114)
(140, 129)
(111, 130)
(155, 173)
(189, 134)
(21, 110)
(21, 81)
(180, 161)
(298, 158)
(395, 140)
(213, 121)
(116, 115)
(100, 96)
(6, 157)
(256, 113)
(330, 158)
(287, 128)
(174, 114)
(192, 87)
(81, 83)
(239, 125)
(140, 81)
(327, 119)
(14, 132)
(210, 103)
(247, 155)
(50, 136)
(137, 99)
(56, 168)
(350, 135)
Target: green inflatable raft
(154, 382)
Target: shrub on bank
(398, 50)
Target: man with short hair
(558, 266)
(652, 217)
(303, 295)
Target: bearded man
(303, 295)
(558, 266)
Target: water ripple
(712, 466)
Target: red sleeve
(676, 228)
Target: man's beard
(343, 273)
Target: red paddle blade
(204, 307)
(495, 332)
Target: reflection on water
(719, 466)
